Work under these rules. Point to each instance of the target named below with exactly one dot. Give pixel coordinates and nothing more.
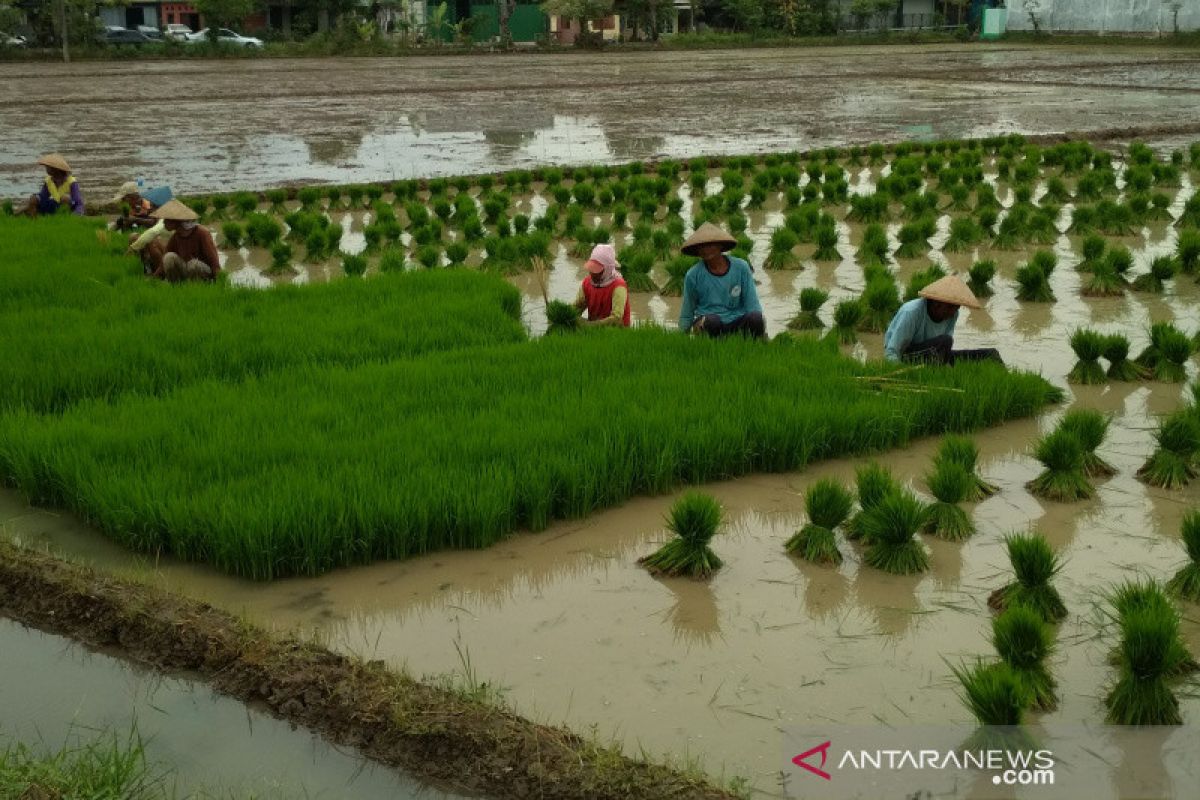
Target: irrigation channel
(56, 693)
(570, 629)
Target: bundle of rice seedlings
(1114, 219)
(1024, 641)
(1187, 250)
(1014, 229)
(677, 269)
(920, 280)
(874, 247)
(562, 317)
(1033, 285)
(880, 299)
(456, 253)
(220, 202)
(245, 202)
(1162, 269)
(961, 450)
(694, 519)
(1105, 281)
(890, 529)
(1167, 353)
(950, 484)
(281, 257)
(354, 266)
(1090, 427)
(1034, 565)
(1064, 478)
(1088, 346)
(960, 197)
(1141, 695)
(869, 207)
(994, 694)
(276, 197)
(1056, 190)
(780, 256)
(1093, 252)
(1186, 583)
(1173, 463)
(811, 300)
(965, 233)
(636, 271)
(987, 220)
(827, 239)
(827, 504)
(872, 483)
(846, 316)
(1160, 204)
(233, 233)
(1190, 217)
(392, 260)
(1132, 596)
(1120, 368)
(979, 278)
(1120, 260)
(912, 242)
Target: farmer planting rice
(603, 293)
(719, 297)
(923, 329)
(60, 188)
(141, 206)
(190, 253)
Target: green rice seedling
(1093, 252)
(1162, 269)
(584, 194)
(1105, 281)
(1090, 427)
(694, 519)
(1132, 596)
(677, 269)
(1120, 368)
(846, 317)
(1034, 565)
(354, 266)
(1167, 353)
(1083, 221)
(962, 451)
(220, 203)
(1190, 218)
(875, 153)
(1045, 260)
(1187, 251)
(912, 243)
(827, 239)
(985, 197)
(979, 278)
(263, 230)
(1024, 641)
(355, 195)
(964, 234)
(869, 208)
(987, 220)
(921, 279)
(1114, 219)
(1141, 695)
(1088, 346)
(960, 198)
(1056, 190)
(373, 236)
(520, 224)
(1186, 582)
(1064, 478)
(562, 317)
(950, 485)
(1160, 204)
(993, 693)
(1139, 208)
(636, 270)
(245, 202)
(281, 257)
(372, 194)
(277, 197)
(316, 245)
(781, 255)
(233, 233)
(1173, 463)
(827, 504)
(457, 253)
(811, 300)
(890, 529)
(1033, 285)
(880, 300)
(874, 247)
(392, 260)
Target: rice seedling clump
(846, 317)
(562, 317)
(993, 693)
(695, 519)
(890, 529)
(1033, 284)
(1034, 564)
(827, 504)
(1120, 368)
(950, 483)
(1186, 582)
(1173, 463)
(1024, 641)
(1064, 478)
(980, 276)
(873, 482)
(811, 300)
(1141, 695)
(1132, 596)
(961, 450)
(1089, 427)
(1088, 346)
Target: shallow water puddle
(56, 692)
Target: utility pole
(62, 24)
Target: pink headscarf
(604, 257)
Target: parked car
(8, 40)
(151, 33)
(124, 36)
(178, 32)
(226, 36)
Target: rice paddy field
(395, 458)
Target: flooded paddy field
(261, 123)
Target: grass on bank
(108, 766)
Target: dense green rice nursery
(1120, 368)
(846, 317)
(889, 528)
(1088, 346)
(1064, 478)
(695, 519)
(980, 276)
(1141, 695)
(1090, 427)
(1186, 582)
(1162, 269)
(1174, 462)
(811, 300)
(827, 504)
(950, 484)
(1024, 641)
(1034, 564)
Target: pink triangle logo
(823, 749)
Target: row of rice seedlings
(811, 300)
(695, 518)
(827, 504)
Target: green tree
(224, 13)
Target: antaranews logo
(823, 749)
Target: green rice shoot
(695, 519)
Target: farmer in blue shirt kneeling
(923, 329)
(719, 297)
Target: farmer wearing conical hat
(59, 188)
(190, 253)
(923, 329)
(603, 293)
(719, 297)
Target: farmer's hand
(698, 326)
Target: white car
(178, 32)
(226, 36)
(7, 40)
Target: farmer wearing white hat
(60, 188)
(603, 293)
(719, 297)
(191, 253)
(923, 329)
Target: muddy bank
(354, 120)
(428, 732)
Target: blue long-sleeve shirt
(912, 325)
(728, 296)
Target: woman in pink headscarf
(604, 294)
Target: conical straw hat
(706, 234)
(950, 289)
(175, 210)
(54, 161)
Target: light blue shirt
(728, 296)
(912, 325)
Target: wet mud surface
(217, 126)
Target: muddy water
(217, 126)
(56, 693)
